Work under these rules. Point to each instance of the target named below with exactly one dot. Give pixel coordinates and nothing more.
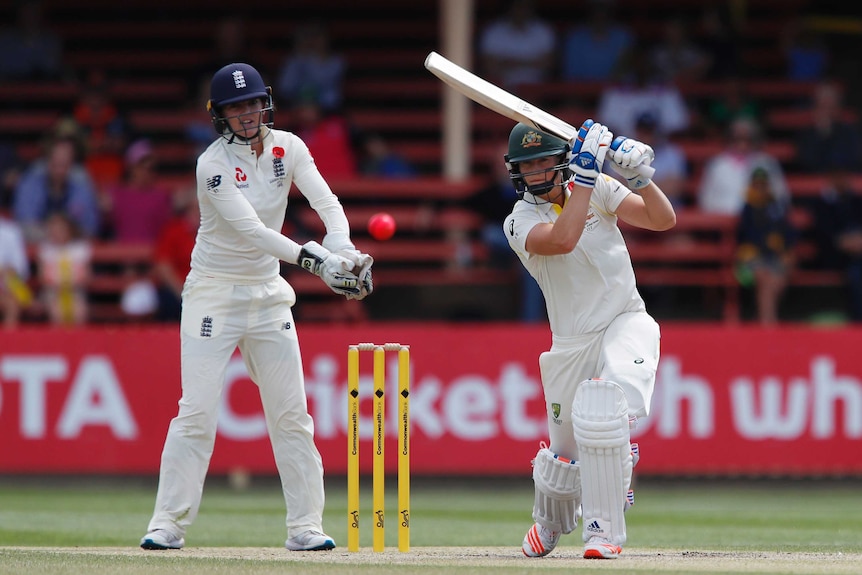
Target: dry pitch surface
(633, 560)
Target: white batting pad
(558, 492)
(601, 425)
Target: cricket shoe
(601, 548)
(161, 539)
(539, 541)
(311, 540)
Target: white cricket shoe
(539, 541)
(311, 540)
(601, 548)
(161, 539)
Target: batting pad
(601, 425)
(558, 492)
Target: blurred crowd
(95, 180)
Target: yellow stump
(404, 449)
(353, 449)
(379, 474)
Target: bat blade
(505, 103)
(495, 98)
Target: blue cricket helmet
(234, 83)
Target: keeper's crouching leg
(600, 420)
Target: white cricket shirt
(243, 201)
(588, 287)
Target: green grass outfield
(59, 526)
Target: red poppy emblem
(278, 152)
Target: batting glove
(626, 155)
(588, 152)
(331, 268)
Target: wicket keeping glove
(339, 244)
(331, 268)
(589, 147)
(360, 265)
(626, 155)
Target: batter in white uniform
(600, 371)
(234, 296)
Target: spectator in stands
(230, 44)
(312, 69)
(103, 129)
(670, 164)
(639, 91)
(199, 127)
(134, 212)
(63, 261)
(676, 58)
(58, 182)
(594, 48)
(139, 300)
(31, 50)
(805, 54)
(765, 242)
(838, 229)
(718, 41)
(727, 175)
(733, 101)
(494, 202)
(15, 295)
(831, 142)
(136, 209)
(328, 136)
(11, 168)
(519, 47)
(380, 160)
(172, 259)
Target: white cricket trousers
(218, 317)
(626, 353)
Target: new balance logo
(594, 527)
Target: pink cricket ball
(381, 226)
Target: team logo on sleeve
(213, 182)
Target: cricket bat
(504, 103)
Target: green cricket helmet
(529, 143)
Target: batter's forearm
(659, 209)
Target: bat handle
(646, 171)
